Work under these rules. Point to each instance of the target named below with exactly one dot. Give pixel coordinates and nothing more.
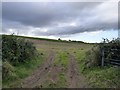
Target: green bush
(111, 48)
(107, 76)
(16, 50)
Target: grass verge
(98, 77)
(22, 71)
(107, 77)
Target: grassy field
(62, 50)
(60, 65)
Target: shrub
(112, 48)
(16, 50)
(94, 56)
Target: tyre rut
(40, 74)
(74, 79)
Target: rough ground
(74, 79)
(40, 74)
(49, 72)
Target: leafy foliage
(111, 48)
(16, 50)
(109, 76)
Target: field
(61, 65)
(57, 66)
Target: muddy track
(40, 74)
(49, 72)
(52, 76)
(74, 79)
(55, 70)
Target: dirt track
(40, 74)
(49, 72)
(74, 79)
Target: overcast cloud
(58, 18)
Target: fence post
(103, 57)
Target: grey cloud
(22, 16)
(35, 14)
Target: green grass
(80, 57)
(0, 77)
(61, 83)
(22, 71)
(57, 59)
(107, 77)
(64, 59)
(98, 77)
(63, 55)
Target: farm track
(52, 77)
(55, 70)
(48, 72)
(74, 79)
(40, 74)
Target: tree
(59, 39)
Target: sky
(81, 21)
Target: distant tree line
(59, 39)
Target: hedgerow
(93, 69)
(17, 50)
(111, 49)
